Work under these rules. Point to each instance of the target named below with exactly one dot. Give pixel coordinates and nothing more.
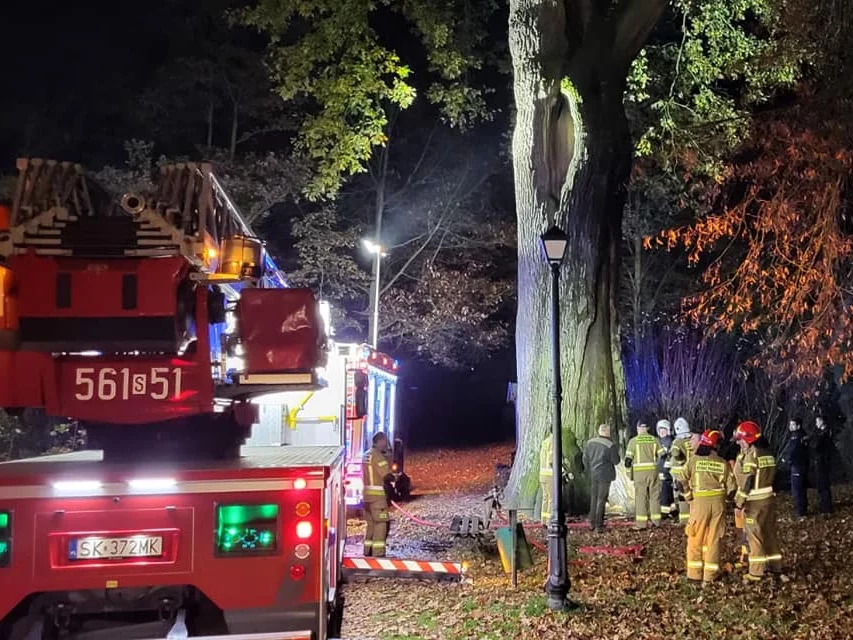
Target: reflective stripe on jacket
(373, 473)
(643, 452)
(708, 477)
(680, 454)
(758, 470)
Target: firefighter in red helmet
(707, 482)
(755, 496)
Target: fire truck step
(397, 568)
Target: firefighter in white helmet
(668, 507)
(680, 453)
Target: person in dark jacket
(668, 507)
(824, 450)
(600, 457)
(796, 456)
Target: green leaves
(328, 55)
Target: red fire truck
(156, 320)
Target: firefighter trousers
(376, 517)
(547, 485)
(759, 520)
(667, 496)
(743, 541)
(705, 532)
(647, 497)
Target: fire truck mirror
(360, 394)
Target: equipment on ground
(158, 321)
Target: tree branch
(633, 21)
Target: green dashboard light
(4, 520)
(246, 529)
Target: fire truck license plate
(109, 548)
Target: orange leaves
(778, 251)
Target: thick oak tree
(572, 151)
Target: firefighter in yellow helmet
(708, 480)
(641, 460)
(546, 476)
(755, 496)
(374, 472)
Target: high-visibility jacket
(643, 451)
(758, 470)
(708, 477)
(546, 461)
(374, 470)
(680, 454)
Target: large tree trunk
(572, 157)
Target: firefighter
(796, 455)
(708, 480)
(668, 507)
(680, 453)
(641, 460)
(755, 496)
(824, 450)
(546, 476)
(375, 471)
(740, 479)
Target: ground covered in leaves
(617, 598)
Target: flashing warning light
(297, 571)
(77, 486)
(394, 467)
(152, 484)
(244, 529)
(300, 483)
(303, 509)
(304, 530)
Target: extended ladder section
(160, 298)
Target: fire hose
(416, 519)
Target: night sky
(73, 77)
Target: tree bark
(572, 156)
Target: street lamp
(554, 244)
(378, 253)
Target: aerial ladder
(152, 318)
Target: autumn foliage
(777, 260)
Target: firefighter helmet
(665, 425)
(748, 431)
(682, 428)
(711, 438)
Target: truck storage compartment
(281, 330)
(123, 304)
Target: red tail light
(297, 572)
(304, 530)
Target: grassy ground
(616, 597)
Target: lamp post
(378, 253)
(554, 244)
